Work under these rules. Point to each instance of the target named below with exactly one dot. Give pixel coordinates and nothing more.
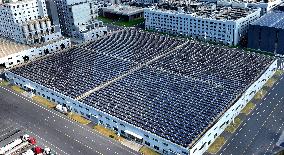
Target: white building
(27, 22)
(28, 27)
(221, 24)
(197, 148)
(77, 20)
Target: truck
(17, 145)
(28, 152)
(38, 150)
(10, 146)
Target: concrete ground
(133, 145)
(260, 130)
(56, 130)
(9, 131)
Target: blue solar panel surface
(176, 97)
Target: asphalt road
(261, 130)
(68, 137)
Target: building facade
(267, 33)
(34, 52)
(27, 22)
(144, 137)
(221, 28)
(77, 20)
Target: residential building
(77, 20)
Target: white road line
(74, 123)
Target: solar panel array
(135, 46)
(179, 96)
(81, 69)
(176, 97)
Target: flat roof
(210, 11)
(123, 9)
(177, 97)
(8, 47)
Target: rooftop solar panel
(176, 97)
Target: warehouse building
(267, 33)
(211, 23)
(138, 89)
(77, 20)
(29, 27)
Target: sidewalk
(132, 145)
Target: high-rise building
(28, 29)
(27, 22)
(77, 20)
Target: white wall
(232, 112)
(17, 58)
(110, 121)
(85, 110)
(225, 31)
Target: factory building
(267, 33)
(217, 24)
(27, 30)
(77, 20)
(156, 105)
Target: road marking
(74, 123)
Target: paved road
(261, 130)
(57, 130)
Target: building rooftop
(8, 47)
(178, 96)
(207, 11)
(273, 19)
(123, 9)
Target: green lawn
(233, 126)
(121, 23)
(4, 83)
(107, 132)
(44, 102)
(17, 89)
(216, 145)
(248, 108)
(147, 151)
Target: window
(202, 146)
(156, 147)
(122, 132)
(147, 143)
